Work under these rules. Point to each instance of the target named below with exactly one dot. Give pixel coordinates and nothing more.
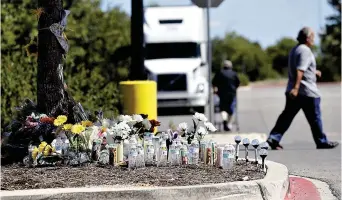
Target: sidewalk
(228, 138)
(281, 83)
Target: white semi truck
(176, 55)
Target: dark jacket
(227, 82)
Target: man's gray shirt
(302, 58)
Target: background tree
(279, 53)
(92, 73)
(93, 68)
(248, 57)
(330, 63)
(18, 70)
(89, 70)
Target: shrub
(244, 80)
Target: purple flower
(175, 135)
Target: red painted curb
(302, 189)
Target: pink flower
(29, 124)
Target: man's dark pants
(312, 111)
(228, 102)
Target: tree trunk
(52, 97)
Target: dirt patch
(15, 177)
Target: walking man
(225, 84)
(302, 93)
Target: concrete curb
(273, 187)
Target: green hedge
(89, 71)
(244, 80)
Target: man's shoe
(328, 145)
(225, 126)
(274, 144)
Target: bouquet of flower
(200, 128)
(127, 126)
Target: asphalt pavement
(259, 107)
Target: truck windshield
(172, 50)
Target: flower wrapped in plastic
(201, 127)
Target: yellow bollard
(139, 97)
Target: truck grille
(172, 82)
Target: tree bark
(52, 97)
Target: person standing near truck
(226, 83)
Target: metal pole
(211, 107)
(137, 40)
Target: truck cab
(176, 49)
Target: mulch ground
(15, 177)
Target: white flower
(182, 127)
(42, 115)
(138, 118)
(200, 117)
(121, 129)
(124, 129)
(131, 123)
(210, 126)
(34, 116)
(106, 123)
(125, 118)
(147, 124)
(202, 131)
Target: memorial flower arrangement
(127, 140)
(126, 126)
(201, 127)
(52, 140)
(76, 141)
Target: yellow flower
(57, 122)
(35, 153)
(104, 129)
(87, 123)
(61, 119)
(42, 146)
(46, 153)
(67, 126)
(77, 128)
(47, 150)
